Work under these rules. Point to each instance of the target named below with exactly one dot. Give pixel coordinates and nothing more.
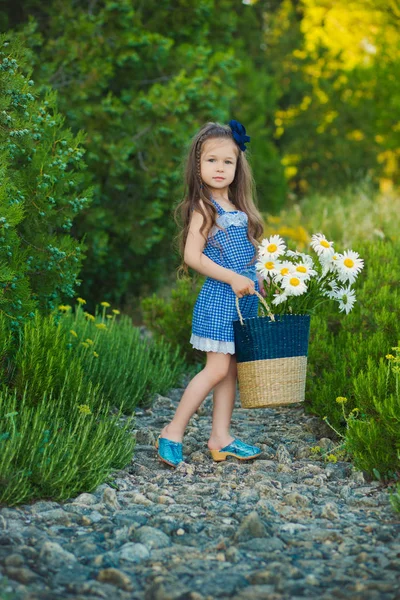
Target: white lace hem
(238, 219)
(208, 345)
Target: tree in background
(313, 81)
(339, 119)
(40, 194)
(140, 78)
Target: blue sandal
(237, 449)
(169, 452)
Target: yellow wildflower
(341, 399)
(106, 304)
(116, 312)
(73, 332)
(81, 301)
(389, 356)
(95, 354)
(397, 348)
(85, 344)
(315, 449)
(84, 409)
(89, 341)
(64, 307)
(109, 316)
(89, 316)
(331, 458)
(101, 326)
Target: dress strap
(219, 208)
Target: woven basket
(271, 354)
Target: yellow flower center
(294, 281)
(284, 271)
(301, 269)
(272, 248)
(348, 263)
(325, 244)
(269, 265)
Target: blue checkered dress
(215, 308)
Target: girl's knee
(218, 368)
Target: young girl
(219, 239)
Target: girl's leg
(216, 369)
(224, 401)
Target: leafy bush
(40, 194)
(49, 452)
(171, 319)
(60, 433)
(129, 369)
(345, 360)
(375, 442)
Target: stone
(21, 574)
(151, 537)
(110, 499)
(251, 527)
(287, 524)
(115, 577)
(54, 555)
(134, 552)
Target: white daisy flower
(332, 293)
(293, 285)
(266, 266)
(346, 298)
(279, 298)
(304, 271)
(348, 266)
(328, 263)
(320, 244)
(299, 255)
(272, 247)
(283, 268)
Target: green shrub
(49, 452)
(41, 193)
(375, 442)
(345, 360)
(171, 319)
(129, 369)
(45, 362)
(59, 431)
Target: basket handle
(263, 304)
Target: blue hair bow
(239, 134)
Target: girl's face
(218, 163)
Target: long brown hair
(241, 192)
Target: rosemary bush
(49, 452)
(129, 368)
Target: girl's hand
(261, 281)
(242, 285)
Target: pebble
(285, 526)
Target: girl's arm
(193, 254)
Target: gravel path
(284, 526)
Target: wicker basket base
(272, 382)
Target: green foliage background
(320, 103)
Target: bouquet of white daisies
(295, 283)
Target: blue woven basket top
(259, 338)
